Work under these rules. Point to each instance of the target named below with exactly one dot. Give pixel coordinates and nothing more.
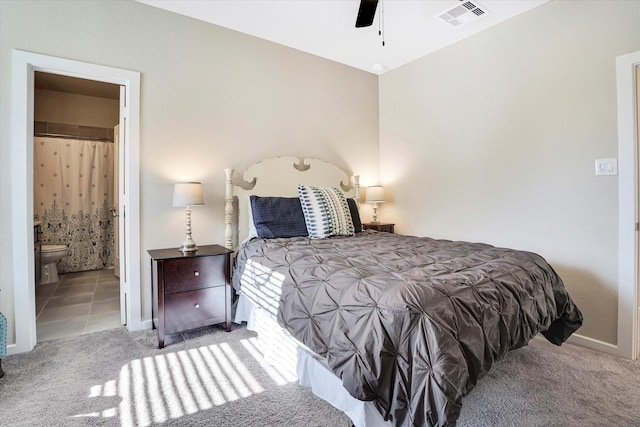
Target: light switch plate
(607, 166)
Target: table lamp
(375, 195)
(188, 194)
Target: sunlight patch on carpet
(169, 386)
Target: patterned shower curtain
(73, 192)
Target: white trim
(592, 343)
(24, 64)
(627, 345)
(145, 324)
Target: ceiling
(60, 83)
(326, 28)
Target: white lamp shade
(187, 194)
(375, 194)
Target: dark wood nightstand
(380, 226)
(190, 290)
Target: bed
(391, 329)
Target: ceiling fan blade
(366, 13)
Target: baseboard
(11, 349)
(145, 324)
(594, 344)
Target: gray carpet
(121, 378)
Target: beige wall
(210, 99)
(495, 138)
(71, 109)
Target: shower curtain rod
(78, 137)
(69, 131)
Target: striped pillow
(326, 212)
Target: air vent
(462, 14)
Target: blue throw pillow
(278, 217)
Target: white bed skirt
(279, 347)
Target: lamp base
(188, 246)
(188, 249)
(375, 213)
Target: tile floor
(79, 303)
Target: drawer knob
(197, 305)
(196, 273)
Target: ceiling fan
(366, 13)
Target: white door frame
(24, 65)
(628, 250)
(628, 295)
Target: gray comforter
(409, 323)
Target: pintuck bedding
(409, 323)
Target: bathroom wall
(73, 109)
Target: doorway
(75, 198)
(637, 127)
(627, 76)
(24, 65)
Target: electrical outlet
(607, 166)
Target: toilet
(51, 254)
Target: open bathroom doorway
(76, 163)
(23, 67)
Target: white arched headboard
(278, 176)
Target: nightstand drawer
(189, 274)
(192, 309)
